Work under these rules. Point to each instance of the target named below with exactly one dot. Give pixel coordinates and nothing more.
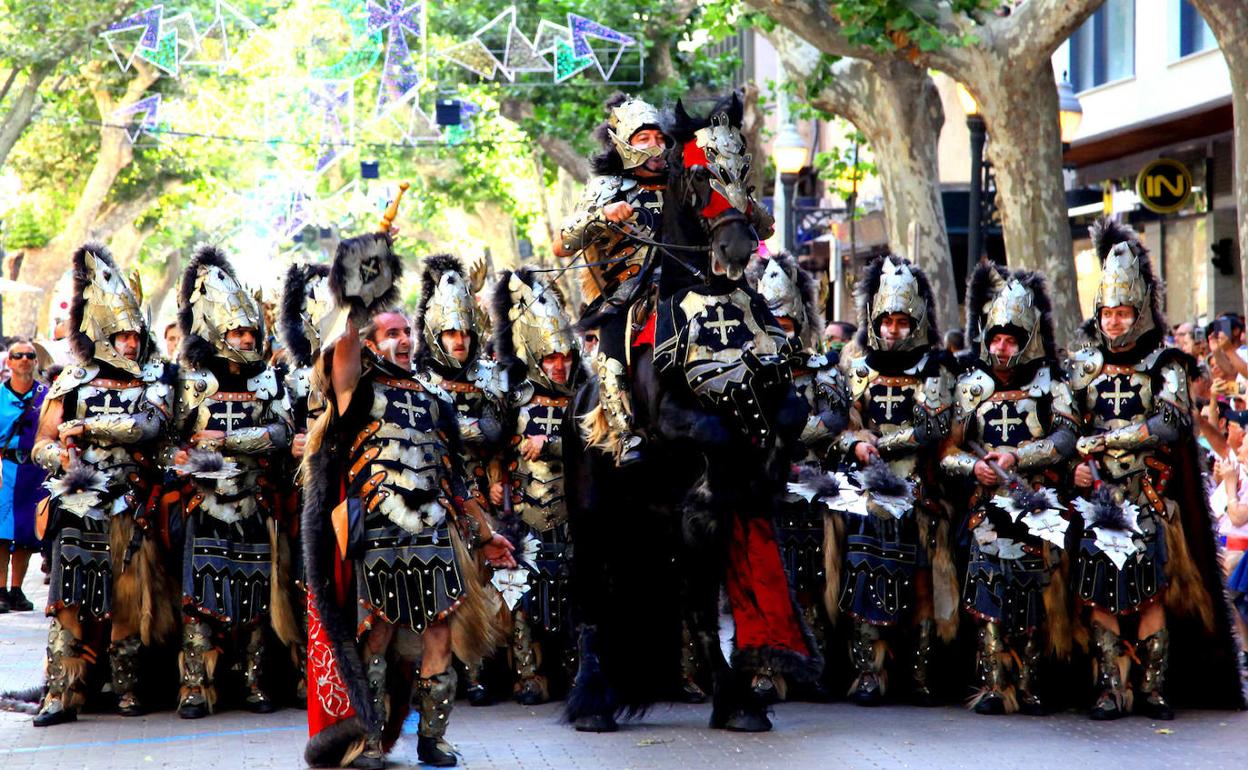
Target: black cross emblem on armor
(229, 416)
(547, 423)
(370, 268)
(412, 410)
(108, 407)
(722, 326)
(889, 399)
(1005, 422)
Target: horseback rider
(624, 196)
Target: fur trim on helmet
(1105, 234)
(435, 266)
(197, 351)
(290, 312)
(869, 283)
(987, 279)
(349, 252)
(82, 346)
(807, 287)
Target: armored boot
(1156, 659)
(1114, 698)
(258, 701)
(435, 697)
(1029, 701)
(123, 660)
(67, 665)
(690, 691)
(373, 757)
(993, 686)
(750, 715)
(767, 686)
(867, 653)
(530, 688)
(921, 693)
(197, 663)
(617, 408)
(478, 694)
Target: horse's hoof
(596, 723)
(690, 692)
(748, 722)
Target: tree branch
(560, 150)
(1037, 27)
(818, 26)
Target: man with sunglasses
(21, 397)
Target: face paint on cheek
(389, 349)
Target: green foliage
(887, 25)
(27, 228)
(844, 168)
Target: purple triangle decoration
(148, 108)
(148, 19)
(399, 75)
(582, 28)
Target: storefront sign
(1164, 186)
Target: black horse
(665, 539)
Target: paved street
(513, 737)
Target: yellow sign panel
(1164, 186)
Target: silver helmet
(1016, 304)
(531, 323)
(446, 304)
(212, 303)
(790, 292)
(103, 306)
(1127, 279)
(893, 285)
(625, 119)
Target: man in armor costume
(448, 354)
(792, 296)
(534, 342)
(98, 438)
(1013, 403)
(387, 519)
(305, 305)
(897, 569)
(234, 429)
(1148, 503)
(624, 195)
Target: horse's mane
(684, 125)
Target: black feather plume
(879, 478)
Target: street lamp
(1069, 110)
(789, 153)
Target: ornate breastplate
(1008, 419)
(538, 484)
(1120, 396)
(399, 461)
(103, 397)
(888, 403)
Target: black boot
(66, 668)
(476, 691)
(1114, 697)
(436, 697)
(1156, 660)
(867, 653)
(123, 658)
(751, 715)
(18, 601)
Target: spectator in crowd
(838, 334)
(21, 489)
(173, 338)
(955, 341)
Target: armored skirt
(407, 579)
(227, 568)
(547, 602)
(882, 556)
(1141, 579)
(1008, 572)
